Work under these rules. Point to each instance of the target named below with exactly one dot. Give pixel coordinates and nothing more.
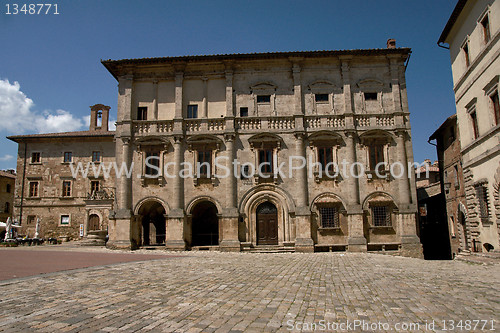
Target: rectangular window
(68, 157)
(152, 164)
(496, 107)
(325, 156)
(204, 163)
(142, 113)
(31, 219)
(7, 207)
(486, 29)
(35, 157)
(96, 156)
(465, 50)
(94, 186)
(457, 182)
(321, 98)
(33, 189)
(65, 219)
(329, 217)
(245, 171)
(266, 156)
(192, 111)
(8, 188)
(482, 197)
(381, 216)
(475, 127)
(370, 96)
(264, 99)
(66, 188)
(244, 112)
(376, 152)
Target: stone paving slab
(246, 292)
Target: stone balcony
(280, 124)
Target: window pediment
(204, 142)
(265, 140)
(263, 88)
(375, 137)
(323, 138)
(370, 84)
(152, 143)
(322, 86)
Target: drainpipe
(22, 186)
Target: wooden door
(93, 222)
(267, 225)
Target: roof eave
(451, 21)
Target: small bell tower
(99, 117)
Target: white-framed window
(65, 219)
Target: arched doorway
(267, 224)
(93, 222)
(463, 236)
(205, 224)
(153, 223)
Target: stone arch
(327, 197)
(377, 196)
(201, 198)
(278, 197)
(141, 203)
(496, 197)
(94, 212)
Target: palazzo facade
(323, 106)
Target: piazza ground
(248, 292)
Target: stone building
(432, 223)
(46, 187)
(7, 184)
(452, 183)
(324, 106)
(472, 33)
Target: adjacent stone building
(324, 106)
(452, 183)
(472, 33)
(432, 223)
(46, 187)
(7, 185)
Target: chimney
(391, 43)
(99, 117)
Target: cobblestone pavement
(244, 292)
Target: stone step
(269, 249)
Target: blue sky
(55, 59)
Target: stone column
(175, 220)
(356, 241)
(121, 218)
(403, 181)
(230, 112)
(303, 240)
(179, 78)
(230, 215)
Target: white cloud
(18, 116)
(6, 157)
